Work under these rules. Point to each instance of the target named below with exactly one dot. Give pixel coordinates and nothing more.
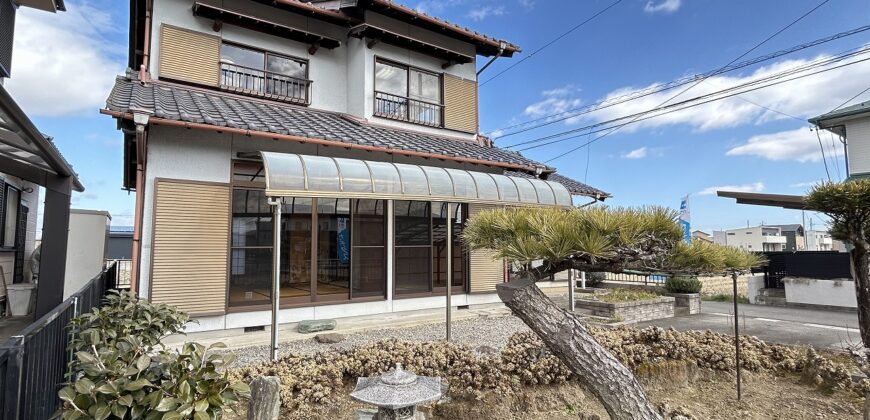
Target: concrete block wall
(643, 310)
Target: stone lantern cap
(396, 389)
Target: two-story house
(358, 118)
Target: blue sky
(64, 66)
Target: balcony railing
(264, 83)
(406, 109)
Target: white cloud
(752, 187)
(800, 144)
(638, 153)
(664, 6)
(527, 4)
(484, 12)
(803, 184)
(556, 101)
(63, 63)
(803, 98)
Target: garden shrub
(121, 370)
(595, 278)
(683, 284)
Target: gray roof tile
(181, 103)
(574, 187)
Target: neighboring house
(29, 160)
(852, 127)
(795, 240)
(361, 117)
(700, 235)
(120, 243)
(758, 238)
(820, 240)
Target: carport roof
(22, 145)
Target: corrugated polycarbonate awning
(293, 175)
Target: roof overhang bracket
(372, 42)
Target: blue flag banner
(685, 219)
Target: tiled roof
(181, 103)
(574, 187)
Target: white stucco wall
(86, 253)
(753, 285)
(820, 292)
(342, 78)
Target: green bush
(595, 278)
(123, 315)
(120, 369)
(683, 284)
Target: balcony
(774, 239)
(263, 83)
(403, 108)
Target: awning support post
(736, 333)
(276, 270)
(449, 263)
(571, 286)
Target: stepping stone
(311, 326)
(329, 338)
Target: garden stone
(311, 326)
(265, 403)
(329, 338)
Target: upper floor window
(408, 94)
(264, 73)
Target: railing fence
(34, 363)
(653, 279)
(809, 264)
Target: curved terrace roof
(290, 174)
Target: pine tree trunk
(611, 382)
(860, 258)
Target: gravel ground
(490, 331)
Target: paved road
(819, 328)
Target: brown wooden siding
(460, 104)
(189, 251)
(485, 269)
(189, 56)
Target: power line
(715, 95)
(705, 78)
(823, 155)
(680, 109)
(561, 116)
(551, 42)
(850, 99)
(834, 156)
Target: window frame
(266, 54)
(407, 95)
(313, 299)
(433, 290)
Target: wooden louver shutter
(486, 269)
(460, 104)
(190, 246)
(189, 56)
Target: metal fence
(653, 279)
(33, 364)
(809, 264)
(123, 272)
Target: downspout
(140, 118)
(144, 74)
(501, 47)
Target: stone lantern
(397, 393)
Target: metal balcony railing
(403, 108)
(264, 83)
